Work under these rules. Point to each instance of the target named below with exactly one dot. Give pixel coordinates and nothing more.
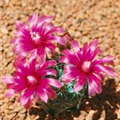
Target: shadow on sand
(107, 101)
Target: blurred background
(84, 20)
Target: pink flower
(30, 80)
(37, 37)
(81, 66)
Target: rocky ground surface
(84, 20)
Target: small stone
(23, 111)
(22, 116)
(4, 30)
(6, 118)
(18, 108)
(11, 107)
(24, 3)
(77, 34)
(90, 115)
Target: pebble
(4, 30)
(90, 115)
(17, 109)
(22, 116)
(77, 34)
(83, 19)
(6, 118)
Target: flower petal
(93, 87)
(107, 70)
(33, 19)
(43, 20)
(33, 54)
(8, 79)
(41, 54)
(93, 45)
(70, 73)
(50, 46)
(28, 104)
(42, 95)
(26, 96)
(75, 46)
(63, 59)
(51, 93)
(50, 28)
(49, 72)
(53, 82)
(49, 63)
(108, 59)
(10, 93)
(19, 25)
(60, 40)
(71, 57)
(80, 83)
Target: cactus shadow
(42, 115)
(107, 102)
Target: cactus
(67, 100)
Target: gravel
(84, 20)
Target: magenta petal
(53, 82)
(93, 45)
(47, 64)
(33, 55)
(80, 82)
(44, 19)
(97, 82)
(71, 57)
(50, 28)
(60, 40)
(10, 93)
(17, 49)
(97, 78)
(75, 46)
(70, 73)
(26, 96)
(63, 59)
(21, 65)
(73, 71)
(107, 70)
(28, 104)
(51, 93)
(33, 19)
(41, 53)
(8, 79)
(108, 59)
(92, 54)
(93, 87)
(66, 79)
(19, 24)
(78, 86)
(49, 72)
(50, 46)
(32, 66)
(42, 95)
(69, 77)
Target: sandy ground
(83, 19)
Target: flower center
(86, 66)
(35, 36)
(31, 80)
